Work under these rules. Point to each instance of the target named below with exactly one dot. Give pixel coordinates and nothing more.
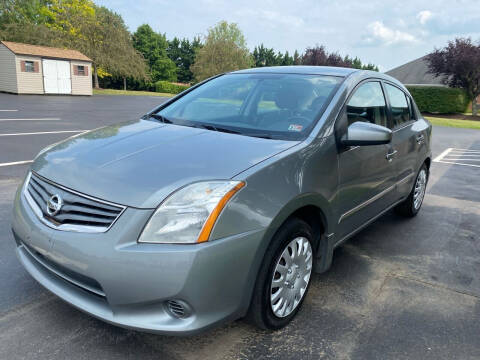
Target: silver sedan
(222, 202)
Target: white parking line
(442, 155)
(462, 157)
(462, 154)
(33, 119)
(457, 163)
(16, 163)
(45, 132)
(465, 150)
(8, 110)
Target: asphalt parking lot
(400, 289)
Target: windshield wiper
(263, 136)
(161, 118)
(217, 128)
(211, 127)
(230, 131)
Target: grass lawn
(129, 92)
(467, 124)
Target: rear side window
(368, 105)
(399, 104)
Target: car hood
(139, 163)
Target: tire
(413, 203)
(295, 233)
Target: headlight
(188, 215)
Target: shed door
(56, 77)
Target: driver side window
(368, 105)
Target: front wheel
(284, 276)
(411, 206)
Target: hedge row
(168, 87)
(439, 99)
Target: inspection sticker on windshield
(295, 127)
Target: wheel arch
(428, 162)
(313, 209)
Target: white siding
(28, 82)
(8, 75)
(81, 84)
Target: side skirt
(368, 222)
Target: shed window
(80, 70)
(29, 66)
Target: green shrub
(168, 87)
(439, 99)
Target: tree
(31, 34)
(297, 60)
(106, 40)
(356, 63)
(21, 21)
(153, 46)
(263, 56)
(68, 16)
(370, 66)
(459, 63)
(315, 56)
(224, 50)
(318, 55)
(21, 11)
(77, 24)
(128, 62)
(287, 59)
(182, 53)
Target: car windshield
(277, 106)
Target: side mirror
(364, 133)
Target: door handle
(390, 155)
(420, 138)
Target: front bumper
(113, 278)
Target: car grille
(76, 212)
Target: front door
(56, 77)
(366, 173)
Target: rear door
(366, 174)
(407, 139)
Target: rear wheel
(284, 276)
(411, 206)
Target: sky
(387, 33)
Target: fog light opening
(178, 309)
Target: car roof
(300, 69)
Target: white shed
(33, 69)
